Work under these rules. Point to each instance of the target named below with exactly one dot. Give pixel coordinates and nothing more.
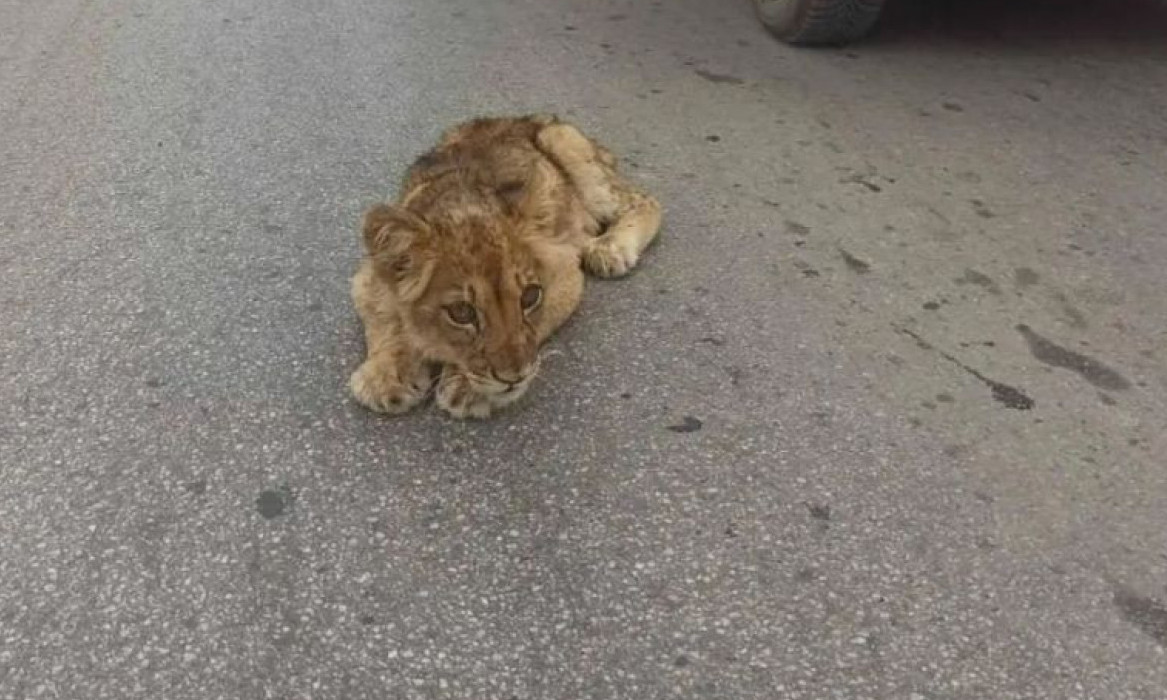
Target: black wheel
(811, 22)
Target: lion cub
(479, 261)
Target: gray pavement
(881, 416)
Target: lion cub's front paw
(380, 390)
(457, 397)
(603, 257)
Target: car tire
(818, 22)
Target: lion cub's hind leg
(632, 217)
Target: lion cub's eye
(462, 313)
(532, 295)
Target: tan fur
(499, 206)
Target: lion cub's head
(468, 290)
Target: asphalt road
(881, 416)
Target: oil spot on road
(805, 268)
(819, 511)
(1090, 369)
(853, 263)
(273, 503)
(1149, 616)
(1008, 396)
(688, 424)
(863, 180)
(797, 229)
(982, 209)
(979, 279)
(721, 78)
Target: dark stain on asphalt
(819, 511)
(805, 268)
(688, 424)
(1008, 396)
(722, 78)
(855, 264)
(797, 229)
(979, 279)
(1087, 367)
(273, 503)
(1148, 615)
(862, 180)
(982, 209)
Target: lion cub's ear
(393, 237)
(389, 230)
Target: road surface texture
(881, 415)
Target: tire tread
(830, 22)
